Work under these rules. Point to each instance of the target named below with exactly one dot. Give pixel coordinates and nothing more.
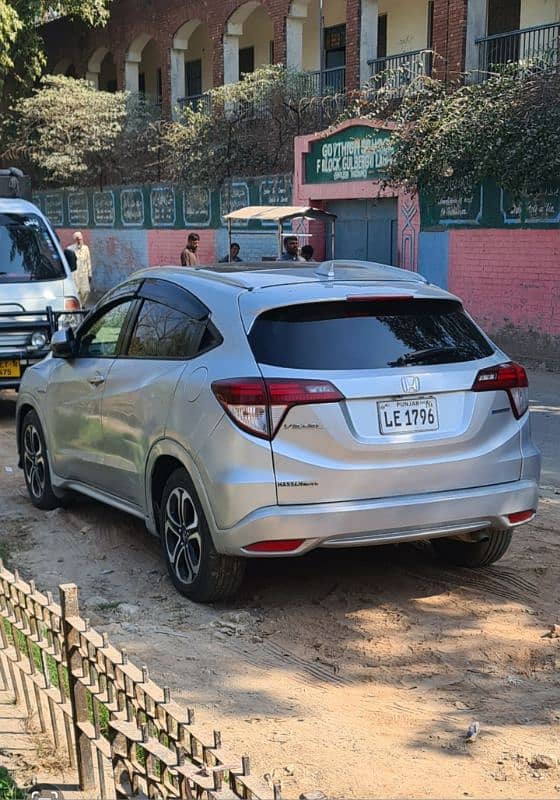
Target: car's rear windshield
(27, 250)
(369, 334)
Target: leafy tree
(21, 47)
(507, 128)
(67, 131)
(246, 128)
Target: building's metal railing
(123, 734)
(329, 82)
(529, 47)
(196, 102)
(400, 70)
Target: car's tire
(35, 463)
(195, 567)
(473, 554)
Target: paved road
(545, 421)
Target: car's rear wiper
(422, 355)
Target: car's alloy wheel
(196, 569)
(36, 464)
(182, 536)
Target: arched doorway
(318, 45)
(102, 71)
(142, 68)
(191, 64)
(248, 41)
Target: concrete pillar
(231, 53)
(368, 37)
(178, 88)
(477, 15)
(294, 42)
(131, 73)
(93, 77)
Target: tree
(506, 128)
(246, 128)
(21, 47)
(67, 131)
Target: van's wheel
(36, 464)
(195, 567)
(474, 554)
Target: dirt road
(356, 673)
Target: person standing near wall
(83, 274)
(290, 250)
(189, 256)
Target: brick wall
(449, 37)
(508, 277)
(161, 20)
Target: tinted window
(164, 332)
(27, 250)
(366, 335)
(101, 338)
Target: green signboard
(538, 207)
(354, 154)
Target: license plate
(408, 415)
(10, 369)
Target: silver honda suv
(259, 412)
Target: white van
(36, 281)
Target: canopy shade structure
(279, 215)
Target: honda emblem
(410, 384)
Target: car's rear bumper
(388, 520)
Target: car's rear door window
(368, 334)
(164, 332)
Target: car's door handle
(97, 379)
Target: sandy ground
(356, 673)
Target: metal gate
(366, 229)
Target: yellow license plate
(10, 369)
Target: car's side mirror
(70, 256)
(63, 343)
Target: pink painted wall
(165, 246)
(508, 277)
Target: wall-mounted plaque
(78, 209)
(162, 206)
(104, 209)
(197, 207)
(132, 207)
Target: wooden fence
(123, 733)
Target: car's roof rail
(336, 268)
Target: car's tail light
(259, 405)
(509, 377)
(71, 304)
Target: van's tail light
(510, 378)
(259, 405)
(71, 304)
